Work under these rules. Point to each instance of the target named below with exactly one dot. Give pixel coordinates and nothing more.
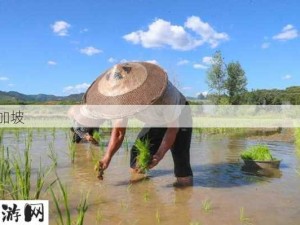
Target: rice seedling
(72, 150)
(258, 152)
(124, 205)
(146, 196)
(53, 131)
(195, 223)
(19, 182)
(5, 170)
(52, 154)
(297, 137)
(144, 157)
(157, 216)
(206, 206)
(99, 217)
(129, 187)
(97, 136)
(81, 209)
(1, 135)
(243, 218)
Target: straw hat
(133, 83)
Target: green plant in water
(72, 150)
(19, 182)
(297, 140)
(143, 157)
(52, 154)
(146, 196)
(5, 170)
(206, 206)
(81, 209)
(258, 152)
(243, 218)
(97, 136)
(157, 216)
(195, 223)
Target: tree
(236, 82)
(216, 75)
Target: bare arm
(166, 144)
(116, 139)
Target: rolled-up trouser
(180, 149)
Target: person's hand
(104, 162)
(156, 159)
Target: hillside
(13, 97)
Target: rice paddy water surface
(224, 192)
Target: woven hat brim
(146, 94)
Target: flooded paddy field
(224, 192)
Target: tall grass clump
(64, 213)
(19, 182)
(143, 157)
(5, 170)
(258, 152)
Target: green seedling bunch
(143, 159)
(258, 152)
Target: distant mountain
(13, 97)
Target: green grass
(258, 152)
(144, 157)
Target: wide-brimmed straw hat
(136, 84)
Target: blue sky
(60, 47)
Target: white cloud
(207, 60)
(199, 66)
(153, 61)
(183, 62)
(287, 77)
(90, 51)
(265, 45)
(51, 63)
(76, 89)
(11, 85)
(207, 33)
(112, 60)
(162, 33)
(3, 78)
(60, 28)
(287, 33)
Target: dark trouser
(180, 149)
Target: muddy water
(267, 197)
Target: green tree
(236, 82)
(216, 76)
